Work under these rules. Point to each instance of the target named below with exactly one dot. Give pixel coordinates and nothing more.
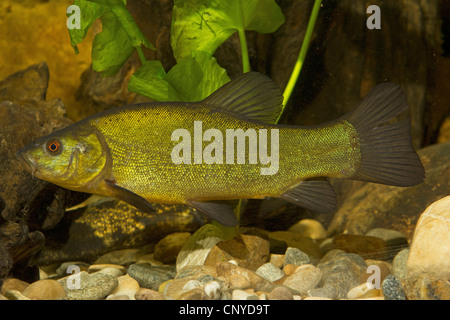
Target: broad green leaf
(89, 12)
(111, 47)
(196, 77)
(192, 79)
(128, 24)
(205, 24)
(149, 81)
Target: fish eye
(54, 147)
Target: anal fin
(219, 212)
(128, 196)
(315, 195)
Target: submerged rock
(430, 248)
(113, 225)
(24, 116)
(371, 205)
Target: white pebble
(192, 284)
(365, 290)
(270, 272)
(212, 290)
(243, 295)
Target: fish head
(72, 158)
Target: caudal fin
(387, 154)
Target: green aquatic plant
(119, 38)
(199, 27)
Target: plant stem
(301, 57)
(243, 41)
(244, 51)
(141, 54)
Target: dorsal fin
(251, 95)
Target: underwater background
(46, 86)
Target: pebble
(341, 272)
(205, 278)
(399, 264)
(241, 278)
(377, 271)
(194, 294)
(173, 289)
(49, 271)
(112, 271)
(289, 269)
(427, 287)
(243, 295)
(191, 284)
(280, 293)
(305, 244)
(277, 260)
(118, 297)
(304, 278)
(430, 247)
(13, 284)
(392, 288)
(365, 290)
(365, 246)
(326, 245)
(70, 267)
(277, 246)
(148, 294)
(317, 298)
(309, 228)
(197, 272)
(261, 295)
(197, 247)
(127, 286)
(95, 286)
(120, 257)
(270, 272)
(15, 295)
(394, 239)
(98, 267)
(149, 258)
(296, 257)
(212, 290)
(320, 293)
(44, 290)
(149, 276)
(167, 249)
(248, 251)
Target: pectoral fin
(94, 199)
(128, 196)
(222, 213)
(316, 195)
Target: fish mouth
(30, 165)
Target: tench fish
(228, 146)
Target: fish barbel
(228, 147)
